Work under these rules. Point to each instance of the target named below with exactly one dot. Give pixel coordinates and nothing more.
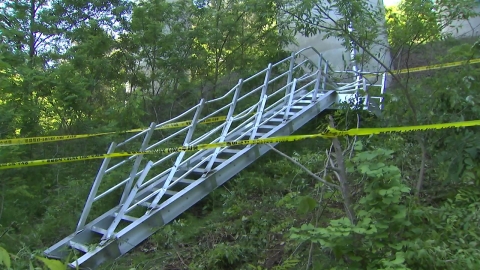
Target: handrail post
(319, 77)
(127, 203)
(262, 102)
(290, 69)
(358, 81)
(382, 90)
(136, 164)
(367, 95)
(290, 77)
(289, 101)
(179, 159)
(325, 75)
(94, 189)
(226, 128)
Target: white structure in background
(465, 28)
(336, 54)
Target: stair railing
(317, 77)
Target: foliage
(6, 261)
(391, 231)
(417, 22)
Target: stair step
(230, 151)
(304, 101)
(276, 119)
(167, 193)
(79, 246)
(170, 192)
(198, 170)
(298, 108)
(145, 204)
(126, 217)
(98, 230)
(267, 127)
(289, 113)
(220, 160)
(183, 181)
(259, 134)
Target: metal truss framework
(154, 192)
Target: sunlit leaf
(5, 258)
(52, 264)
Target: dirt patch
(274, 256)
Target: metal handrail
(248, 125)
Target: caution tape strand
(438, 66)
(432, 67)
(330, 133)
(45, 139)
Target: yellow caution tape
(387, 130)
(31, 140)
(291, 138)
(432, 67)
(437, 66)
(329, 134)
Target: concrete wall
(465, 28)
(333, 50)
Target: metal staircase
(152, 193)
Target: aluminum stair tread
(79, 246)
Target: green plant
(380, 213)
(392, 232)
(5, 260)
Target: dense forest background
(75, 67)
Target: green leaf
(472, 152)
(307, 227)
(294, 236)
(396, 246)
(469, 162)
(5, 258)
(362, 213)
(359, 230)
(358, 146)
(399, 258)
(355, 258)
(52, 264)
(306, 205)
(401, 214)
(372, 230)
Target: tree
(179, 46)
(417, 24)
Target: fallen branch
(304, 168)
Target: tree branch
(304, 168)
(342, 176)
